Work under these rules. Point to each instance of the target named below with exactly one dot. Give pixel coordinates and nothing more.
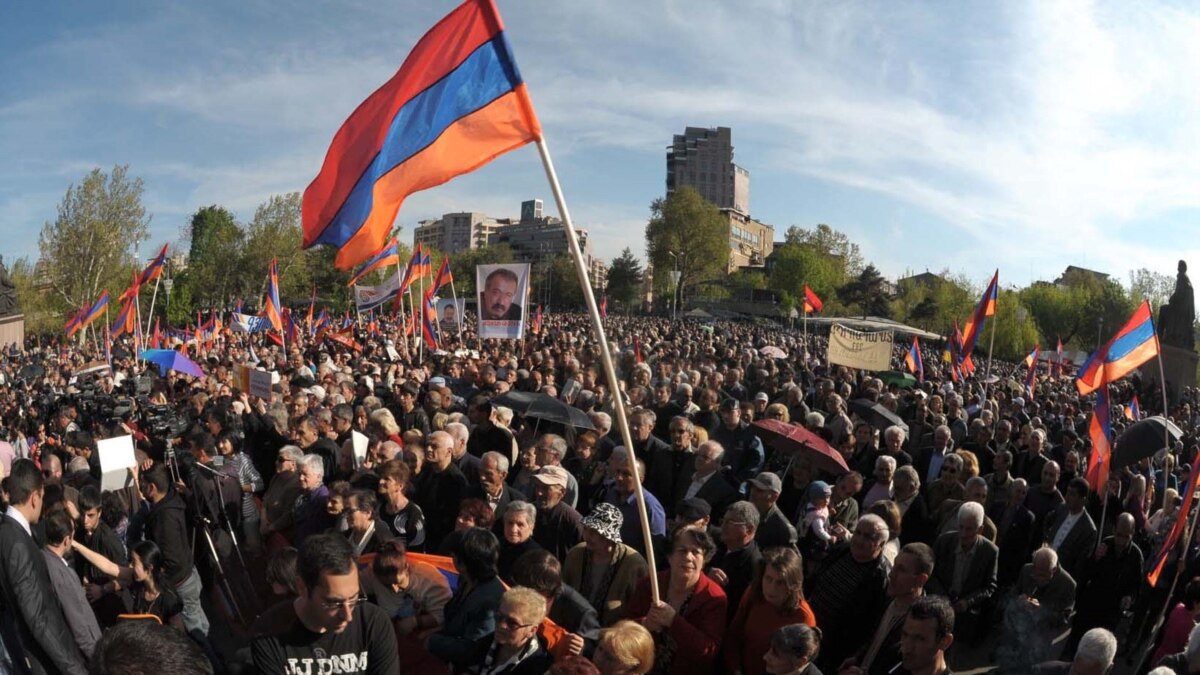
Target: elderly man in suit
(706, 480)
(1070, 530)
(965, 571)
(1041, 605)
(32, 626)
(1015, 533)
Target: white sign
(502, 289)
(116, 459)
(858, 349)
(358, 443)
(260, 384)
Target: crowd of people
(309, 531)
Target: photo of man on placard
(449, 315)
(496, 302)
(502, 289)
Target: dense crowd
(305, 532)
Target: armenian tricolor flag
(1100, 431)
(1031, 375)
(986, 307)
(389, 255)
(1133, 345)
(1134, 411)
(811, 302)
(1160, 558)
(536, 326)
(413, 271)
(155, 268)
(125, 321)
(913, 360)
(456, 103)
(429, 321)
(604, 307)
(444, 276)
(271, 307)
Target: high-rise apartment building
(455, 232)
(703, 159)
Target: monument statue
(8, 293)
(1177, 317)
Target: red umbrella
(800, 440)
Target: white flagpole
(610, 370)
(153, 298)
(454, 297)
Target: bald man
(1109, 583)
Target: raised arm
(124, 575)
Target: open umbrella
(876, 415)
(169, 359)
(544, 407)
(904, 380)
(773, 352)
(786, 437)
(1143, 439)
(32, 371)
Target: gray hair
(1193, 645)
(293, 453)
(1020, 482)
(687, 424)
(526, 508)
(814, 419)
(1041, 435)
(894, 431)
(603, 418)
(1046, 553)
(976, 480)
(743, 512)
(886, 460)
(1099, 646)
(720, 454)
(909, 473)
(881, 529)
(313, 463)
(458, 432)
(500, 460)
(556, 444)
(953, 460)
(324, 415)
(389, 449)
(970, 511)
(278, 415)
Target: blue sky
(1020, 135)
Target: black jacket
(167, 526)
(31, 620)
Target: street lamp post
(675, 275)
(168, 282)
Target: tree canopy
(625, 279)
(687, 233)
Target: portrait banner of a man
(449, 314)
(502, 292)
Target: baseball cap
(819, 487)
(767, 481)
(729, 404)
(762, 396)
(552, 475)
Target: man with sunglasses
(328, 627)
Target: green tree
(1014, 338)
(215, 241)
(868, 293)
(1152, 286)
(688, 234)
(625, 279)
(275, 233)
(87, 248)
(1080, 310)
(797, 265)
(40, 310)
(832, 243)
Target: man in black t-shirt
(329, 627)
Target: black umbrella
(876, 415)
(1144, 439)
(32, 371)
(544, 407)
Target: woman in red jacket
(774, 600)
(689, 620)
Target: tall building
(703, 159)
(455, 232)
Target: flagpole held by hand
(610, 371)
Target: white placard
(260, 384)
(116, 459)
(392, 353)
(359, 444)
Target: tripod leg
(222, 580)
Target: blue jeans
(194, 620)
